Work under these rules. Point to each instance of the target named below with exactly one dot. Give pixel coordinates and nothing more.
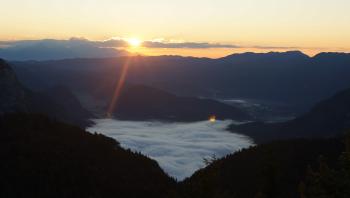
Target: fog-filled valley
(179, 148)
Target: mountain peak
(249, 56)
(3, 64)
(6, 70)
(331, 55)
(295, 52)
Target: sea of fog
(179, 148)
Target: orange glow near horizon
(219, 53)
(311, 26)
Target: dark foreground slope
(56, 103)
(274, 170)
(44, 158)
(328, 118)
(145, 103)
(70, 107)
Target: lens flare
(118, 89)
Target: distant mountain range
(135, 103)
(56, 103)
(329, 118)
(290, 80)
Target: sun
(134, 42)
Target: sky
(254, 25)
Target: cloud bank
(113, 43)
(179, 148)
(52, 49)
(191, 45)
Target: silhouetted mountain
(13, 96)
(68, 102)
(328, 118)
(52, 159)
(266, 57)
(331, 57)
(145, 103)
(56, 104)
(44, 158)
(289, 80)
(271, 170)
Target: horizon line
(180, 56)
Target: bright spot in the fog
(134, 42)
(212, 118)
(179, 148)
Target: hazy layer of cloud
(48, 49)
(193, 45)
(179, 148)
(118, 43)
(115, 43)
(274, 47)
(123, 43)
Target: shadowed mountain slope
(328, 118)
(291, 78)
(16, 98)
(144, 103)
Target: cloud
(179, 148)
(122, 43)
(192, 45)
(119, 42)
(115, 43)
(51, 49)
(274, 47)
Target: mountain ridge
(293, 83)
(139, 102)
(16, 98)
(328, 118)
